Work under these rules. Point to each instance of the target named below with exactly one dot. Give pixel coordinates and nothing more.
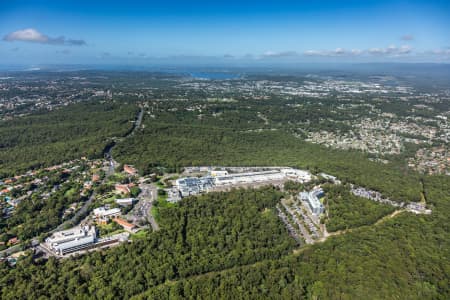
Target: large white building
(125, 201)
(102, 212)
(192, 185)
(297, 175)
(75, 239)
(222, 178)
(251, 177)
(312, 201)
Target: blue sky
(144, 32)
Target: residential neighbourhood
(357, 124)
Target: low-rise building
(187, 186)
(312, 200)
(297, 175)
(216, 173)
(68, 241)
(126, 225)
(122, 188)
(129, 169)
(330, 177)
(125, 201)
(102, 212)
(192, 185)
(250, 177)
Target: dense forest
(210, 233)
(174, 139)
(406, 257)
(229, 245)
(345, 210)
(49, 138)
(233, 246)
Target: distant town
(372, 115)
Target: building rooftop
(124, 223)
(102, 211)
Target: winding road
(109, 171)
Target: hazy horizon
(225, 33)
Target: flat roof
(123, 223)
(78, 242)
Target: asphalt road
(108, 172)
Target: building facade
(312, 201)
(68, 241)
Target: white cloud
(34, 36)
(376, 51)
(26, 35)
(279, 54)
(405, 49)
(339, 51)
(440, 52)
(314, 53)
(331, 53)
(391, 50)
